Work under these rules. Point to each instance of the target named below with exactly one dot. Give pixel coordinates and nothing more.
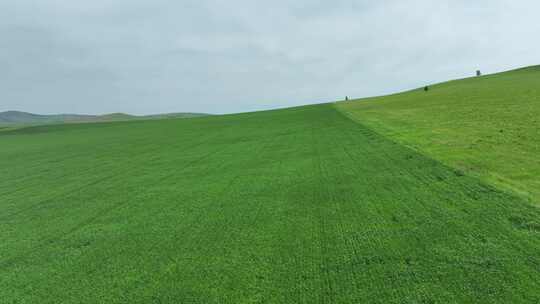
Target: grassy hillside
(17, 118)
(487, 126)
(292, 206)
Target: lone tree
(426, 88)
(478, 73)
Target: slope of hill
(24, 118)
(300, 205)
(486, 126)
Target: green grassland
(302, 205)
(487, 126)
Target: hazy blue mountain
(22, 118)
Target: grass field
(301, 205)
(488, 126)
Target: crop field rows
(301, 205)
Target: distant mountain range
(25, 118)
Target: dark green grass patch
(292, 206)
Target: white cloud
(227, 56)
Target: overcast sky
(154, 56)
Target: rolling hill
(301, 205)
(8, 118)
(486, 126)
